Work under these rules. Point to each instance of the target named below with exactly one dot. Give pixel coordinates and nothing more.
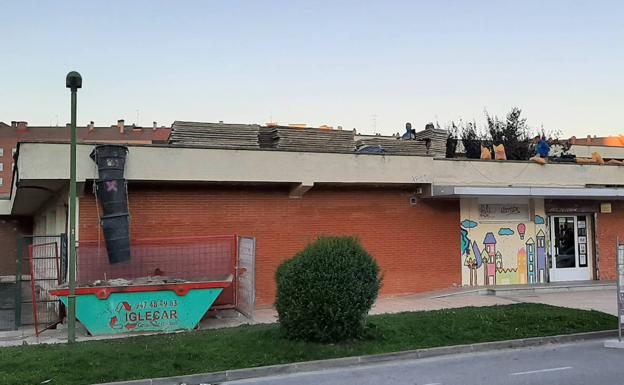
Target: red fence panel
(189, 258)
(45, 274)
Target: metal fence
(8, 293)
(190, 258)
(16, 293)
(45, 274)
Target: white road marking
(541, 371)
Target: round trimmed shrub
(325, 291)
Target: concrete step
(547, 288)
(550, 288)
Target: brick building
(11, 134)
(431, 222)
(388, 226)
(11, 226)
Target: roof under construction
(283, 138)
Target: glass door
(569, 248)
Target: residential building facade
(19, 131)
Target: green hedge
(325, 292)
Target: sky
(369, 65)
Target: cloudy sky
(366, 65)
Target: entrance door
(570, 251)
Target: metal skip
(144, 308)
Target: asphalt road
(585, 363)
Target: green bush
(325, 292)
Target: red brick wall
(10, 228)
(416, 246)
(608, 228)
(7, 144)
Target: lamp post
(73, 82)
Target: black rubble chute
(112, 194)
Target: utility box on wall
(605, 208)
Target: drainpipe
(73, 82)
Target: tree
(471, 140)
(471, 262)
(513, 133)
(465, 241)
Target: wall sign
(567, 206)
(582, 260)
(581, 228)
(605, 208)
(504, 212)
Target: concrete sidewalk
(603, 299)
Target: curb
(336, 363)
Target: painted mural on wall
(500, 251)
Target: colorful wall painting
(541, 256)
(507, 276)
(506, 231)
(503, 251)
(521, 230)
(504, 212)
(468, 224)
(531, 265)
(522, 266)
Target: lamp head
(73, 80)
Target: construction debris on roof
(306, 139)
(435, 139)
(391, 146)
(219, 135)
(370, 149)
(430, 142)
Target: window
(13, 151)
(1, 181)
(1, 151)
(1, 166)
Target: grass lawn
(248, 346)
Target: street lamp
(73, 81)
